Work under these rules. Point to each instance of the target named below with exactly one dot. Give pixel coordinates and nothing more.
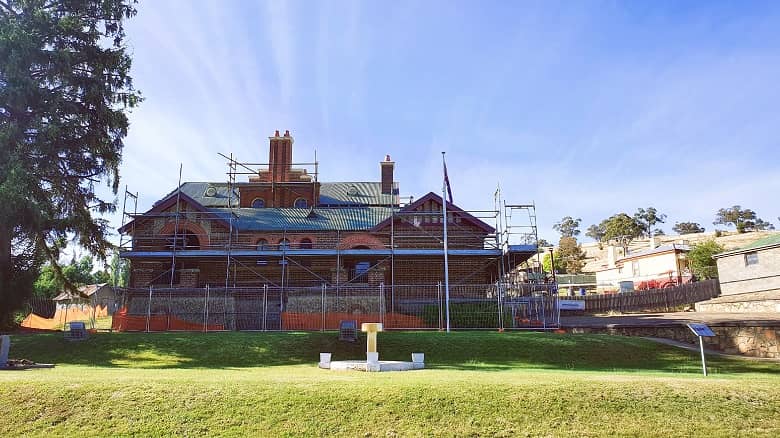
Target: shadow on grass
(476, 351)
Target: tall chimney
(387, 166)
(280, 156)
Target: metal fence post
(265, 305)
(438, 301)
(206, 310)
(381, 303)
(323, 307)
(500, 310)
(148, 309)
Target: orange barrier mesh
(313, 321)
(61, 316)
(122, 322)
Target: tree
(65, 90)
(77, 273)
(742, 219)
(596, 232)
(622, 228)
(570, 256)
(687, 228)
(700, 259)
(568, 227)
(648, 219)
(547, 263)
(762, 225)
(119, 272)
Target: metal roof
(86, 291)
(356, 193)
(657, 250)
(331, 194)
(314, 253)
(763, 243)
(302, 219)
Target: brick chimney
(387, 166)
(280, 156)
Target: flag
(447, 180)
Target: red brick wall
(279, 195)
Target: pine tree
(65, 91)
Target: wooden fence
(658, 300)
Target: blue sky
(585, 108)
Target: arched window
(301, 203)
(284, 245)
(184, 240)
(262, 245)
(258, 203)
(305, 243)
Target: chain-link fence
(270, 308)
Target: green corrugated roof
(766, 241)
(301, 219)
(355, 193)
(342, 194)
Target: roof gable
(436, 199)
(169, 201)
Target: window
(305, 244)
(284, 245)
(258, 203)
(358, 273)
(184, 240)
(635, 269)
(751, 258)
(301, 203)
(262, 245)
(164, 279)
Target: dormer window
(301, 203)
(258, 203)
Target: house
(282, 236)
(651, 268)
(90, 295)
(752, 268)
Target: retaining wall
(732, 337)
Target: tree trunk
(6, 301)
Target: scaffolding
(395, 279)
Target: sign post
(701, 330)
(5, 345)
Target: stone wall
(732, 338)
(764, 306)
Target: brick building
(281, 227)
(284, 227)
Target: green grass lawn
(476, 384)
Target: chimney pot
(287, 133)
(276, 134)
(386, 168)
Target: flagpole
(446, 264)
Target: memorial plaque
(701, 330)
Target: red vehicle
(669, 280)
